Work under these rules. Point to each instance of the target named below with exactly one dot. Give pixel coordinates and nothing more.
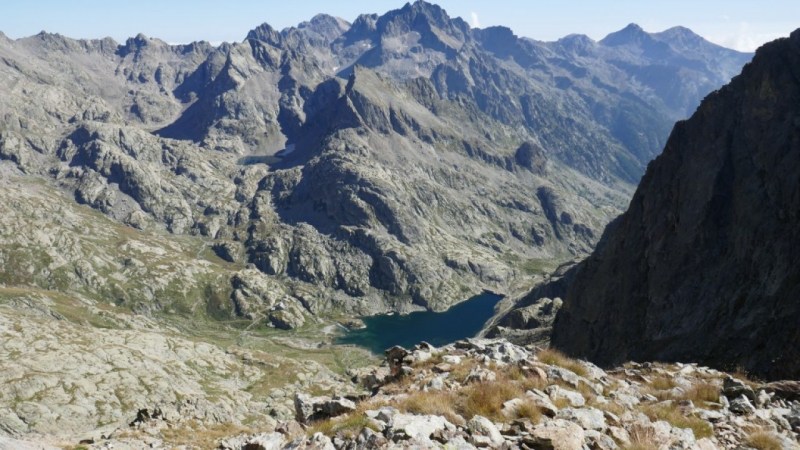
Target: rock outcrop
(705, 264)
(530, 397)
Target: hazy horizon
(735, 24)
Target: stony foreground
(494, 394)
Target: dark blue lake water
(459, 322)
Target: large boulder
(309, 408)
(556, 434)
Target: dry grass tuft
(554, 357)
(701, 393)
(609, 406)
(642, 438)
(742, 375)
(440, 403)
(430, 362)
(349, 426)
(586, 391)
(197, 435)
(763, 440)
(562, 403)
(528, 410)
(515, 374)
(487, 398)
(662, 383)
(461, 370)
(671, 413)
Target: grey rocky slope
(404, 161)
(99, 320)
(493, 394)
(704, 264)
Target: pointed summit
(631, 34)
(265, 33)
(326, 26)
(420, 11)
(432, 22)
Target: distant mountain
(404, 161)
(704, 265)
(678, 65)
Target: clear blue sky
(740, 24)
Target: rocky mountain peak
(326, 26)
(430, 20)
(579, 44)
(680, 32)
(631, 34)
(430, 10)
(684, 40)
(496, 37)
(265, 33)
(140, 44)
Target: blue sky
(737, 24)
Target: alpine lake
(437, 328)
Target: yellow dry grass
(642, 438)
(528, 410)
(671, 413)
(487, 398)
(554, 357)
(763, 440)
(440, 403)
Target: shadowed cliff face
(705, 264)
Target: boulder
(557, 393)
(479, 374)
(507, 352)
(596, 440)
(417, 427)
(742, 406)
(371, 378)
(265, 441)
(587, 418)
(556, 434)
(309, 408)
(484, 433)
(543, 402)
(732, 388)
(451, 359)
(787, 390)
(395, 356)
(567, 376)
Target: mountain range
(184, 229)
(400, 162)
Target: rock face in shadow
(705, 264)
